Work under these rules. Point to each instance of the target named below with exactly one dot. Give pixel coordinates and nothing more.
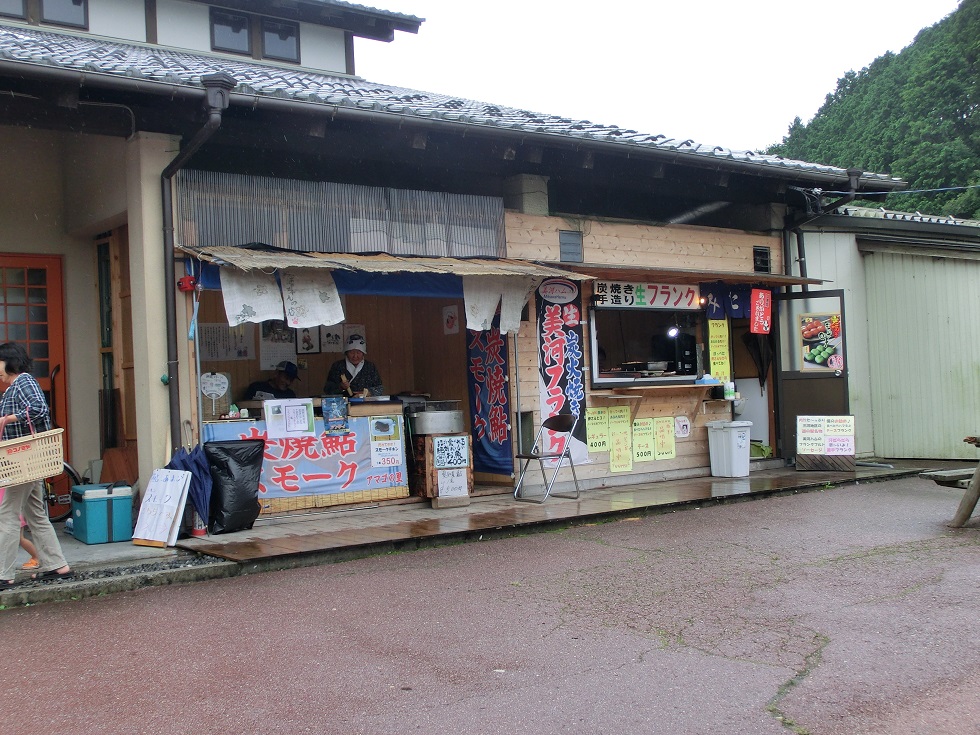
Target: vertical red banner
(760, 315)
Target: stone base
(456, 502)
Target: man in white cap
(354, 376)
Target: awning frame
(268, 259)
(656, 274)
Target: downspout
(217, 96)
(801, 256)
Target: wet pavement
(839, 610)
(336, 535)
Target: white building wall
(184, 25)
(95, 184)
(322, 48)
(123, 19)
(34, 222)
(834, 258)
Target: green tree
(915, 115)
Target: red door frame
(52, 265)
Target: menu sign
(597, 425)
(620, 439)
(718, 349)
(664, 437)
(825, 443)
(643, 440)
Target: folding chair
(563, 423)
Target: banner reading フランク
(560, 377)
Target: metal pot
(436, 422)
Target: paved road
(840, 612)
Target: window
(65, 12)
(260, 38)
(645, 346)
(761, 259)
(13, 8)
(570, 246)
(646, 333)
(230, 32)
(280, 40)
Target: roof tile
(32, 46)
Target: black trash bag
(235, 470)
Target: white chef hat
(356, 342)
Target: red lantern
(186, 283)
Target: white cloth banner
(482, 294)
(310, 297)
(250, 296)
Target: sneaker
(32, 563)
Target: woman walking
(22, 399)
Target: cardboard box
(102, 513)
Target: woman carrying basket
(22, 400)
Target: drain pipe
(801, 255)
(217, 96)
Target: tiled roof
(367, 9)
(158, 64)
(887, 214)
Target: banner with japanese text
(371, 456)
(760, 311)
(560, 378)
(486, 367)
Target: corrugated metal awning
(636, 274)
(268, 259)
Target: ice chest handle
(78, 495)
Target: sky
(733, 73)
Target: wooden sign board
(825, 443)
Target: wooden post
(969, 501)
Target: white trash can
(728, 445)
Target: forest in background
(914, 115)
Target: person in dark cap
(354, 376)
(278, 386)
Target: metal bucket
(436, 422)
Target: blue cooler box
(102, 513)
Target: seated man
(275, 387)
(354, 376)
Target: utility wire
(897, 193)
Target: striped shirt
(22, 396)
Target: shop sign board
(324, 464)
(825, 443)
(640, 295)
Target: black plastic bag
(235, 470)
